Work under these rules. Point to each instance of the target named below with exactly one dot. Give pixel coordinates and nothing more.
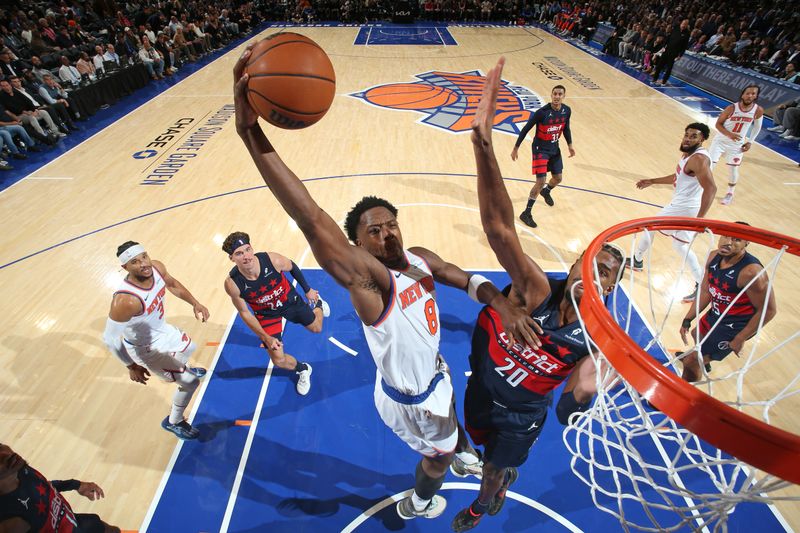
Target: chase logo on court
(448, 100)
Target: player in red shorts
(551, 121)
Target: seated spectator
(163, 47)
(700, 45)
(9, 64)
(791, 74)
(20, 108)
(184, 48)
(714, 39)
(51, 92)
(63, 40)
(67, 73)
(199, 36)
(24, 492)
(12, 127)
(787, 120)
(38, 46)
(37, 68)
(57, 110)
(111, 55)
(152, 60)
(743, 42)
(85, 65)
(97, 59)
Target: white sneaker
(304, 381)
(788, 135)
(728, 199)
(777, 129)
(326, 309)
(405, 508)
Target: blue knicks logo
(448, 100)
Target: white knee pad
(734, 177)
(187, 384)
(642, 245)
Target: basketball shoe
(461, 469)
(183, 430)
(548, 198)
(199, 372)
(527, 218)
(500, 498)
(636, 264)
(727, 200)
(691, 297)
(435, 507)
(304, 380)
(326, 309)
(465, 520)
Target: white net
(642, 466)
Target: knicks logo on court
(448, 100)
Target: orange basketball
(292, 83)
(410, 96)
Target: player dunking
(551, 121)
(264, 297)
(394, 295)
(737, 127)
(729, 269)
(138, 335)
(511, 385)
(694, 192)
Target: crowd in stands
(54, 46)
(51, 48)
(764, 36)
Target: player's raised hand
(483, 122)
(201, 312)
(246, 117)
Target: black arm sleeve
(567, 131)
(65, 485)
(298, 275)
(526, 129)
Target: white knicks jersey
(404, 341)
(739, 123)
(145, 328)
(688, 191)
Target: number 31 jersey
(516, 375)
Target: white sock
(731, 189)
(176, 414)
(467, 458)
(419, 503)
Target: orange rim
(749, 439)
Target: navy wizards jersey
(269, 293)
(723, 287)
(38, 503)
(550, 126)
(519, 376)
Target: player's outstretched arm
(517, 324)
(327, 241)
(177, 288)
(247, 315)
(497, 211)
(284, 264)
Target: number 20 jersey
(518, 376)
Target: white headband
(130, 253)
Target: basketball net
(659, 453)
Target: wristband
(687, 323)
(475, 281)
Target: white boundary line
(343, 347)
(463, 486)
(179, 445)
(226, 520)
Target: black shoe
(19, 155)
(500, 498)
(548, 199)
(635, 265)
(708, 367)
(465, 520)
(527, 218)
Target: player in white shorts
(694, 192)
(393, 293)
(138, 335)
(737, 127)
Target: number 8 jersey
(404, 341)
(518, 376)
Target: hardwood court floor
(67, 404)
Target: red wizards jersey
(268, 294)
(550, 126)
(723, 286)
(38, 503)
(517, 375)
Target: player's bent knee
(187, 353)
(316, 326)
(187, 381)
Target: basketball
(292, 82)
(410, 96)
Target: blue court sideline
(320, 463)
